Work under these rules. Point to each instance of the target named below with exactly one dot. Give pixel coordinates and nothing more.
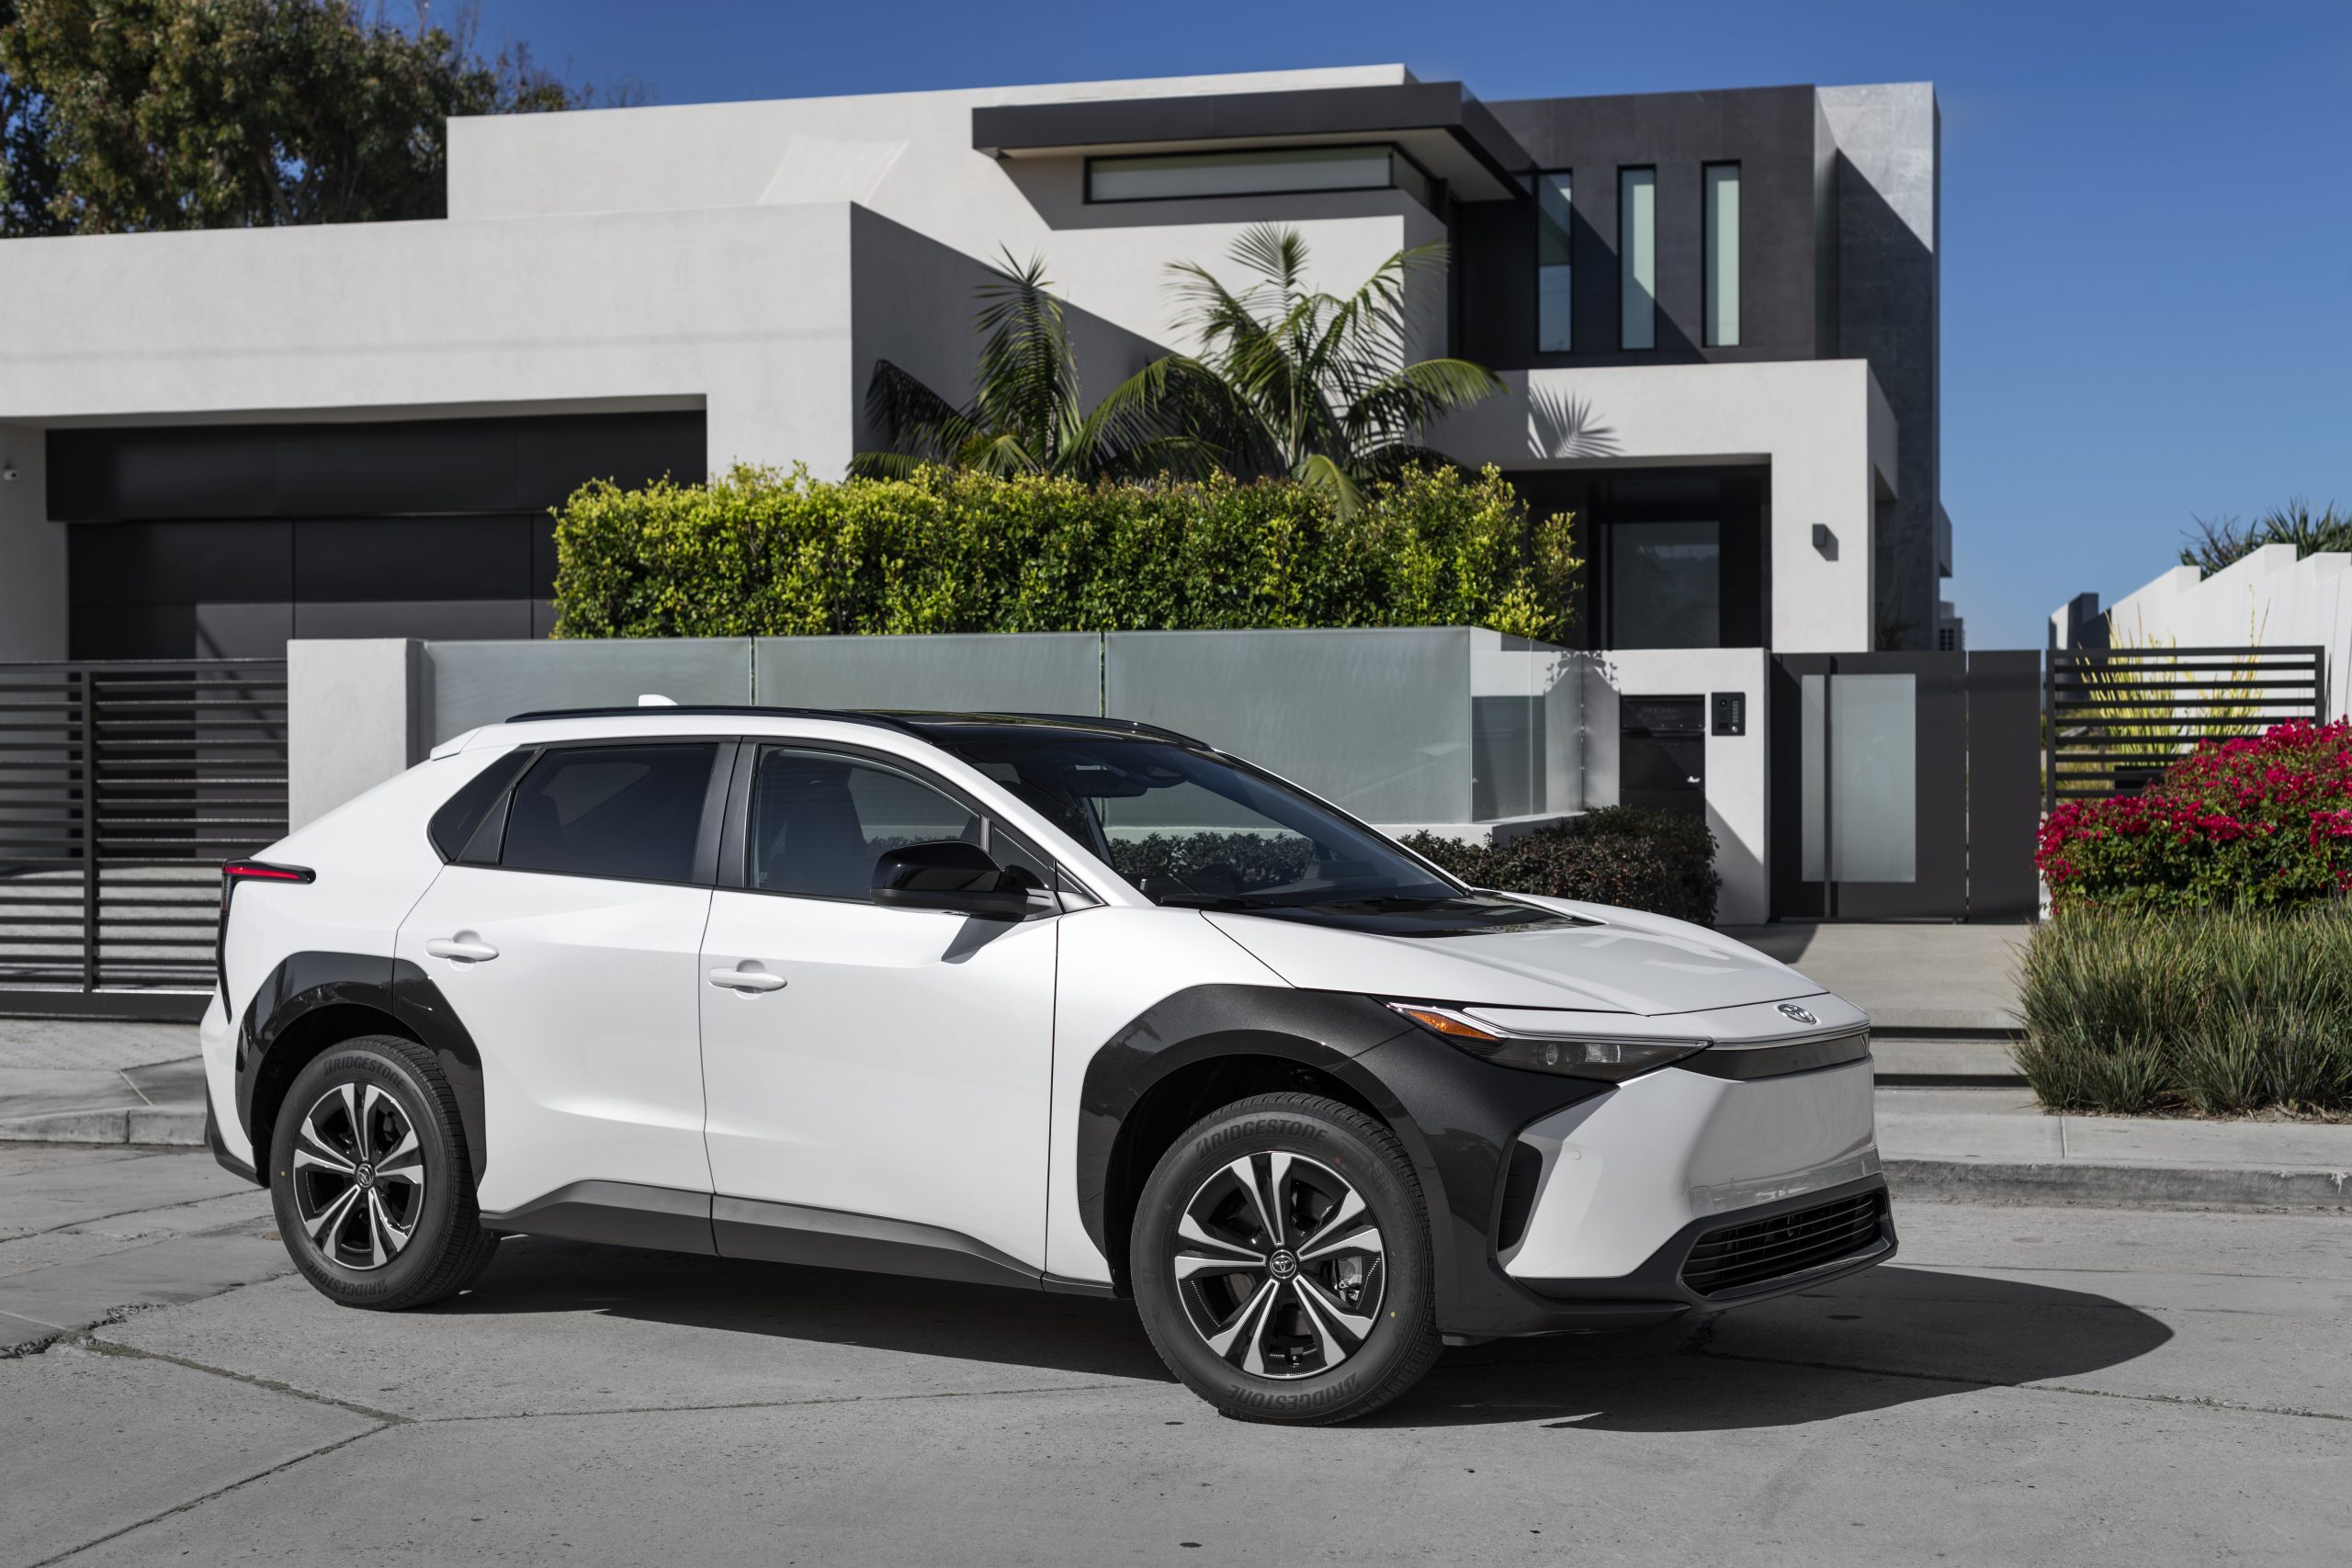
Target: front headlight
(1611, 1057)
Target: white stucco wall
(2267, 599)
(1823, 425)
(1738, 774)
(745, 309)
(32, 554)
(908, 156)
(354, 718)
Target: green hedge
(2212, 1012)
(763, 554)
(1663, 861)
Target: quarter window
(633, 812)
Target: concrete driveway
(2023, 1385)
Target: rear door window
(629, 812)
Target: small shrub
(1661, 861)
(2221, 1012)
(2260, 822)
(762, 554)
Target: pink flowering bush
(2262, 822)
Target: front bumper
(1587, 1214)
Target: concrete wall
(1890, 229)
(32, 554)
(1823, 425)
(908, 156)
(2269, 598)
(1738, 774)
(355, 716)
(746, 308)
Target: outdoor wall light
(1824, 541)
(8, 470)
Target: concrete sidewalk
(2001, 1144)
(77, 1081)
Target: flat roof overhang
(1450, 134)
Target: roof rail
(677, 710)
(911, 720)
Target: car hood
(1622, 961)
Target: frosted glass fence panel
(1376, 721)
(986, 672)
(470, 684)
(1858, 777)
(1874, 783)
(1526, 715)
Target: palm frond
(1397, 407)
(911, 420)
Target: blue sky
(2147, 226)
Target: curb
(2160, 1186)
(172, 1125)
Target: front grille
(1738, 1257)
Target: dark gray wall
(1771, 132)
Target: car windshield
(1188, 827)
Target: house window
(1264, 171)
(1721, 243)
(1552, 293)
(1666, 584)
(1637, 257)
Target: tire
(399, 1228)
(1343, 1324)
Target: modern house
(1716, 313)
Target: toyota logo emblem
(1798, 1013)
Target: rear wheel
(370, 1181)
(1280, 1262)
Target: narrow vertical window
(1723, 255)
(1552, 296)
(1637, 256)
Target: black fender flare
(305, 982)
(1456, 1115)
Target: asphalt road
(2024, 1386)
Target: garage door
(223, 541)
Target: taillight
(238, 871)
(232, 875)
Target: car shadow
(883, 1312)
(1890, 1336)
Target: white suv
(1060, 1003)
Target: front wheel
(1280, 1262)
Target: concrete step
(181, 1124)
(1956, 1060)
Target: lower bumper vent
(1740, 1257)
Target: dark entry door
(1662, 754)
(1869, 758)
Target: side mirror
(950, 875)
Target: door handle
(747, 979)
(463, 948)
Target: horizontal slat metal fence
(123, 786)
(2118, 717)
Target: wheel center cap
(1284, 1264)
(367, 1176)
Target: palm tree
(1290, 380)
(1024, 416)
